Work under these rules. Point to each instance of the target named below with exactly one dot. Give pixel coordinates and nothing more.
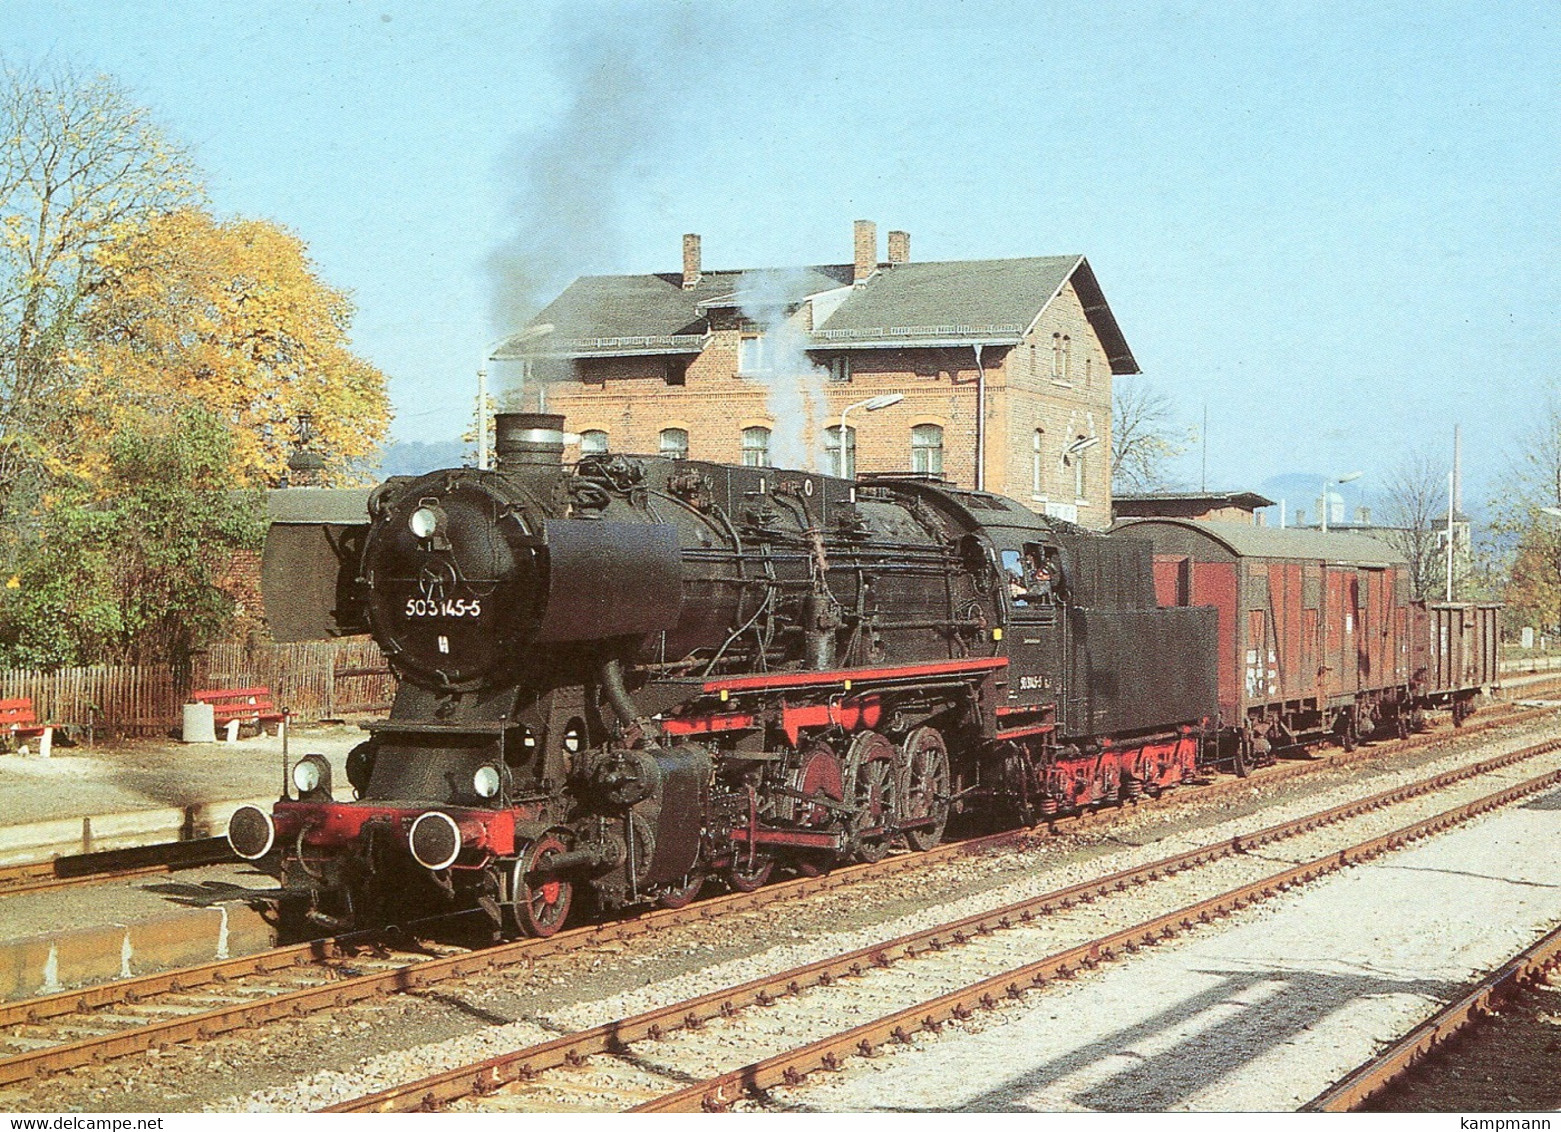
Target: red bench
(19, 720)
(232, 707)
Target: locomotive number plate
(421, 608)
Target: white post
(1451, 484)
(482, 418)
(980, 419)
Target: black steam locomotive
(624, 677)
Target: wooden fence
(317, 680)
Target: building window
(677, 371)
(1062, 365)
(756, 447)
(593, 442)
(1089, 373)
(927, 449)
(1037, 472)
(674, 443)
(840, 369)
(844, 468)
(1077, 458)
(750, 354)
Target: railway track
(156, 860)
(1486, 997)
(113, 865)
(641, 1037)
(66, 1030)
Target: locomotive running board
(850, 676)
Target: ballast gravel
(1112, 852)
(1261, 1015)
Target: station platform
(144, 792)
(140, 792)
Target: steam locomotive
(622, 678)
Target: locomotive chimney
(866, 246)
(899, 247)
(690, 260)
(529, 440)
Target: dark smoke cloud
(629, 71)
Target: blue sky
(1334, 224)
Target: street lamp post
(1344, 479)
(871, 405)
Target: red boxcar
(1315, 629)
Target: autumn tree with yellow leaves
(80, 166)
(153, 358)
(229, 316)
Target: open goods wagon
(1454, 653)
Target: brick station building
(756, 367)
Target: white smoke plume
(795, 382)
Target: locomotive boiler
(621, 678)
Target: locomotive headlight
(306, 776)
(312, 775)
(486, 781)
(425, 522)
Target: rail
(615, 1037)
(793, 1066)
(1358, 1087)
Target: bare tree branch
(1144, 437)
(1414, 501)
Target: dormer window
(750, 355)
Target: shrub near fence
(316, 680)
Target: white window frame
(760, 453)
(750, 355)
(673, 453)
(832, 447)
(926, 457)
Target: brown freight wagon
(1453, 654)
(1314, 629)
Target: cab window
(1030, 575)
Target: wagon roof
(1281, 542)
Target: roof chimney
(690, 260)
(866, 233)
(899, 247)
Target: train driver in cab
(1029, 576)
